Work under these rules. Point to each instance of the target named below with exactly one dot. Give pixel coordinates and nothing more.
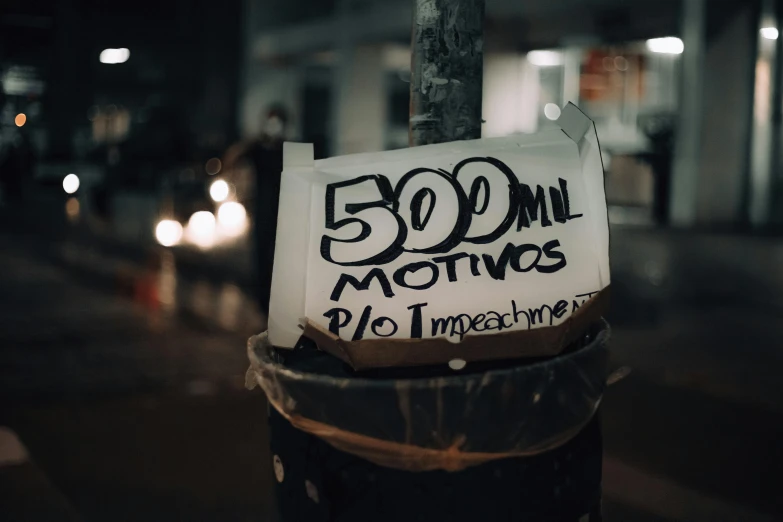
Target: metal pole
(447, 60)
(446, 71)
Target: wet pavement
(133, 411)
(122, 376)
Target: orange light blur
(20, 119)
(72, 209)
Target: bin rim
(259, 351)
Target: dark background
(122, 361)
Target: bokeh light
(213, 166)
(168, 232)
(666, 45)
(551, 111)
(201, 228)
(20, 119)
(113, 56)
(218, 191)
(232, 217)
(71, 183)
(770, 33)
(72, 209)
(545, 58)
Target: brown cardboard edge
(518, 344)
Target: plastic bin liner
(446, 422)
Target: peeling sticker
(427, 12)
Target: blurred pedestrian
(659, 129)
(264, 156)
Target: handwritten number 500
(389, 201)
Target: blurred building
(133, 83)
(685, 93)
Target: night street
(391, 260)
(130, 411)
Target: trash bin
(496, 441)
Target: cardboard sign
(445, 241)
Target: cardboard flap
(383, 353)
(574, 122)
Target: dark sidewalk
(131, 413)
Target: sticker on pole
(479, 249)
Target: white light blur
(201, 228)
(551, 111)
(770, 33)
(666, 45)
(203, 221)
(232, 217)
(112, 56)
(71, 183)
(168, 232)
(545, 58)
(218, 191)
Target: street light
(232, 218)
(71, 183)
(770, 33)
(168, 232)
(666, 45)
(545, 58)
(201, 228)
(113, 56)
(219, 190)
